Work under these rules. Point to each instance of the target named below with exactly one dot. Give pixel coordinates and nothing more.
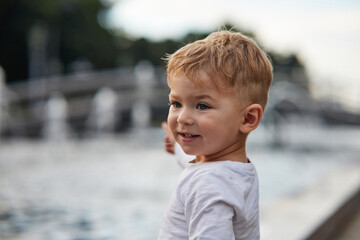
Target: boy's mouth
(187, 137)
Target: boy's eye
(202, 106)
(175, 104)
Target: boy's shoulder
(217, 175)
(212, 182)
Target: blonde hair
(231, 59)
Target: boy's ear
(252, 115)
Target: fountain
(55, 126)
(141, 115)
(145, 80)
(103, 116)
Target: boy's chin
(189, 151)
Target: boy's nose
(185, 117)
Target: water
(117, 187)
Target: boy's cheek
(171, 122)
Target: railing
(27, 100)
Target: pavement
(296, 217)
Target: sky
(325, 34)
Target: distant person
(218, 92)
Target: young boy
(218, 91)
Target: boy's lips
(187, 137)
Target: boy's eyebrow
(201, 96)
(171, 94)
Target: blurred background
(83, 93)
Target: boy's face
(205, 121)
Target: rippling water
(117, 187)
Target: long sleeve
(208, 204)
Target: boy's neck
(236, 154)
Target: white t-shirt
(217, 200)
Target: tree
(69, 29)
